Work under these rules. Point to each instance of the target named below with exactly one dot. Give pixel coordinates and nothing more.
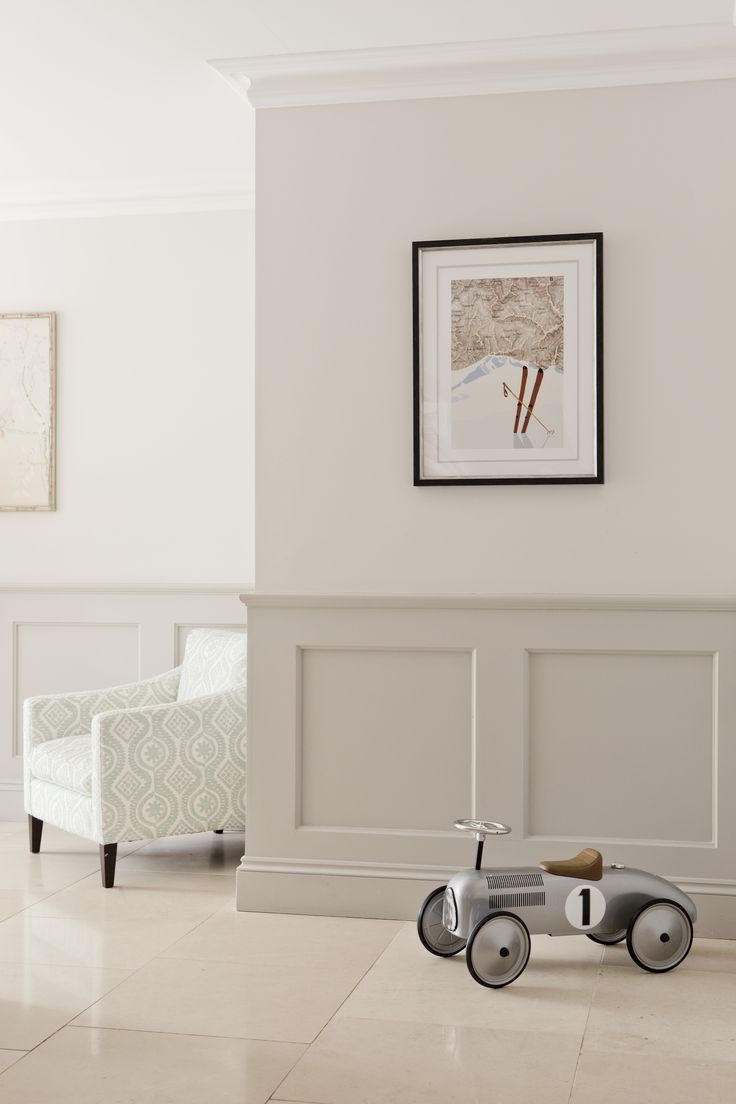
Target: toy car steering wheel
(482, 828)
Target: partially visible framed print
(508, 360)
(27, 411)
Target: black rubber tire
(608, 942)
(433, 948)
(630, 943)
(473, 935)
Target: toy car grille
(515, 900)
(514, 881)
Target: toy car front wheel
(432, 931)
(660, 936)
(498, 949)
(609, 938)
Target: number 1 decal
(585, 907)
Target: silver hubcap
(661, 936)
(500, 950)
(434, 930)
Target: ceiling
(112, 101)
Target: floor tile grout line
(70, 855)
(327, 1023)
(68, 885)
(285, 1100)
(235, 962)
(12, 915)
(145, 917)
(11, 1050)
(86, 966)
(33, 1048)
(598, 977)
(47, 897)
(133, 972)
(683, 971)
(69, 1023)
(193, 1034)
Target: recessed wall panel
(386, 738)
(621, 746)
(55, 658)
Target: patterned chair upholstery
(161, 757)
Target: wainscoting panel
(353, 767)
(643, 726)
(375, 722)
(56, 640)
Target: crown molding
(131, 203)
(591, 60)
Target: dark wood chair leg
(35, 828)
(108, 855)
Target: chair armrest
(55, 715)
(170, 769)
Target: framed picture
(27, 411)
(508, 360)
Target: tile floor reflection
(159, 991)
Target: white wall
(155, 411)
(343, 191)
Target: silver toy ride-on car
(493, 911)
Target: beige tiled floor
(159, 991)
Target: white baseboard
(11, 801)
(383, 898)
(387, 893)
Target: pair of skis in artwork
(520, 401)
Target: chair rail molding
(725, 603)
(155, 201)
(55, 639)
(375, 721)
(545, 63)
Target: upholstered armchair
(161, 757)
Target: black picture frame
(583, 391)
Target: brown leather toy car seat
(588, 864)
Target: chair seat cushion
(67, 762)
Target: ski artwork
(507, 360)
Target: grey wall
(374, 722)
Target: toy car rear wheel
(660, 936)
(609, 938)
(432, 931)
(498, 949)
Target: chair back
(214, 660)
